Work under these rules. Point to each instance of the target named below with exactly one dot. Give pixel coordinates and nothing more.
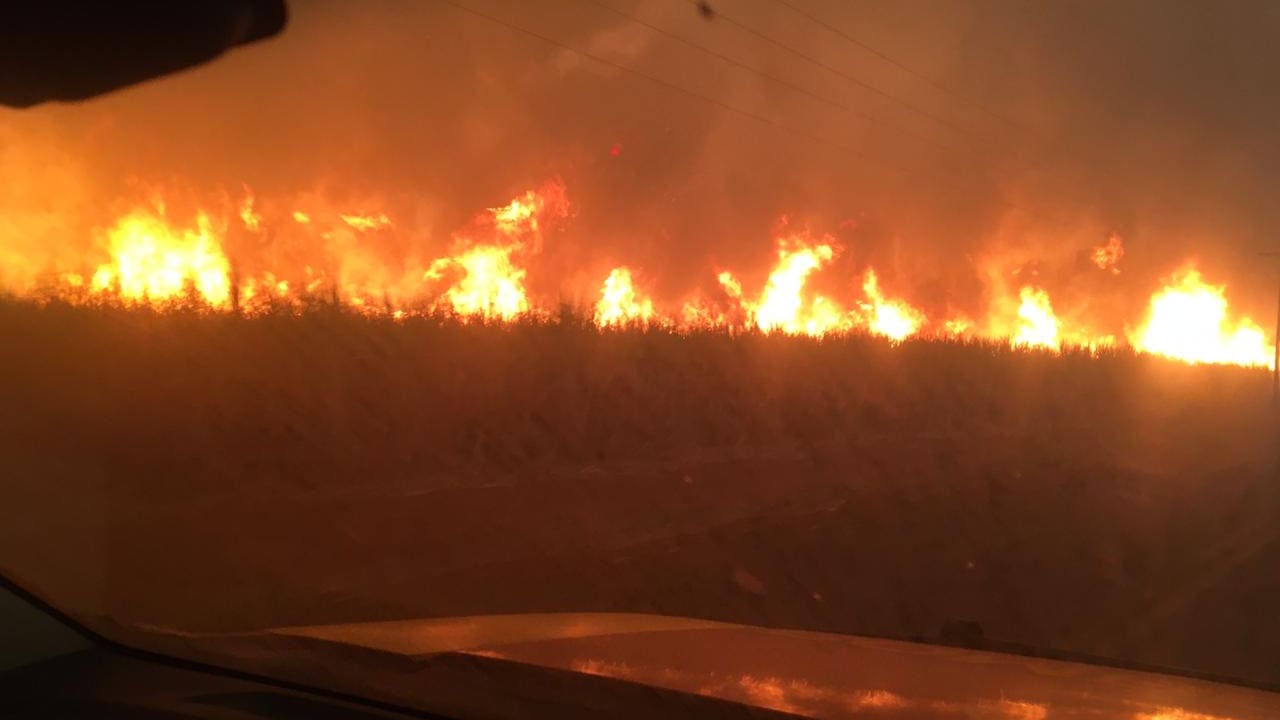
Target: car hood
(501, 665)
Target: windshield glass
(950, 322)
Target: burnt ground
(216, 473)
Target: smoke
(1064, 122)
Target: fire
(879, 699)
(696, 314)
(251, 219)
(239, 256)
(1019, 710)
(957, 327)
(1176, 714)
(1107, 257)
(366, 222)
(732, 286)
(893, 319)
(522, 215)
(150, 260)
(1037, 325)
(781, 305)
(824, 317)
(491, 287)
(619, 305)
(1187, 320)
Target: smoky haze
(1064, 122)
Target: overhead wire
(931, 82)
(757, 117)
(794, 87)
(817, 62)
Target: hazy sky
(1064, 121)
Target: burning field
(433, 436)
(410, 313)
(445, 441)
(256, 257)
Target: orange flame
(1037, 325)
(1021, 710)
(522, 215)
(782, 305)
(893, 319)
(491, 287)
(957, 327)
(1107, 257)
(152, 261)
(366, 222)
(879, 699)
(1187, 320)
(251, 219)
(1174, 713)
(697, 315)
(618, 305)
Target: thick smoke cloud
(1150, 119)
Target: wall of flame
(146, 257)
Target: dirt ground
(221, 473)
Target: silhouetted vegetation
(316, 465)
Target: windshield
(940, 321)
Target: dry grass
(221, 472)
(330, 396)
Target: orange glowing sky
(1052, 194)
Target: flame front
(150, 255)
(619, 304)
(1188, 321)
(150, 260)
(490, 287)
(489, 284)
(893, 319)
(782, 304)
(1037, 325)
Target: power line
(901, 66)
(867, 117)
(842, 74)
(763, 119)
(730, 60)
(673, 86)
